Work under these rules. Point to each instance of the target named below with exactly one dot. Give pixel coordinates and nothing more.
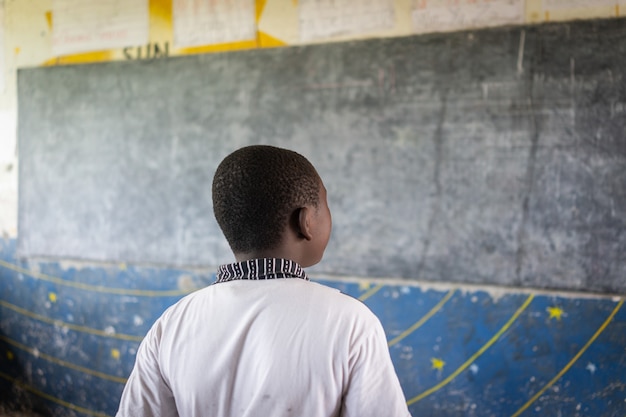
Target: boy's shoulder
(344, 301)
(277, 291)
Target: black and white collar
(262, 268)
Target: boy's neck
(288, 249)
(242, 257)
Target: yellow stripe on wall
(480, 351)
(75, 327)
(49, 397)
(60, 362)
(94, 288)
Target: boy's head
(270, 201)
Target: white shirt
(277, 347)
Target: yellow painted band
(94, 288)
(571, 362)
(52, 398)
(480, 351)
(82, 329)
(371, 292)
(62, 363)
(260, 6)
(423, 320)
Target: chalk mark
(571, 362)
(529, 183)
(438, 139)
(423, 320)
(520, 53)
(337, 86)
(480, 351)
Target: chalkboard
(493, 156)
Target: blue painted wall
(69, 334)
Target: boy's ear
(304, 223)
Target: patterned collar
(256, 269)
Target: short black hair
(255, 191)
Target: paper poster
(578, 4)
(85, 25)
(209, 22)
(450, 15)
(321, 19)
(3, 67)
(554, 10)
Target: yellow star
(115, 353)
(52, 297)
(437, 363)
(555, 312)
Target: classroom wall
(26, 40)
(69, 330)
(69, 333)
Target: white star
(591, 367)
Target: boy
(264, 341)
